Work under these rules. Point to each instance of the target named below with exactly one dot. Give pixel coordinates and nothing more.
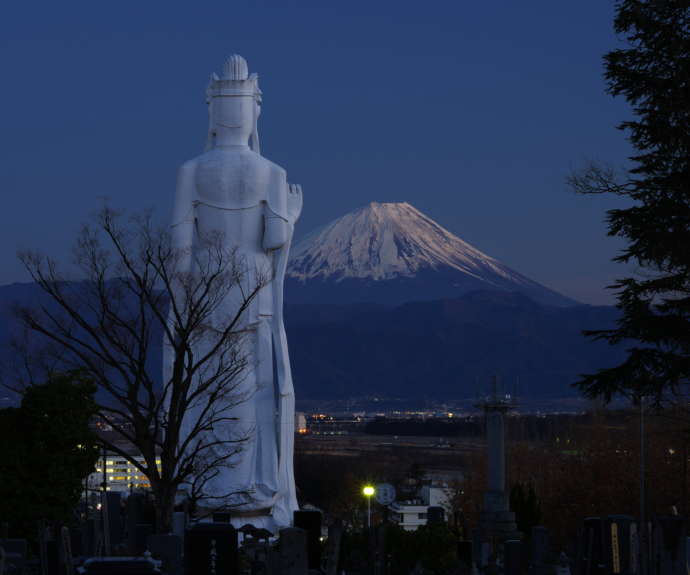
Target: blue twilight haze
(474, 112)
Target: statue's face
(235, 113)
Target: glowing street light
(369, 491)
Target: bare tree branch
(131, 294)
(598, 178)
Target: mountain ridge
(417, 349)
(441, 348)
(392, 253)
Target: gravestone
(310, 521)
(142, 531)
(15, 553)
(259, 554)
(77, 540)
(119, 566)
(49, 550)
(512, 553)
(593, 548)
(539, 550)
(18, 546)
(67, 556)
(634, 558)
(262, 566)
(563, 565)
(484, 554)
(211, 549)
(179, 524)
(668, 556)
(435, 515)
(480, 548)
(618, 539)
(167, 548)
(292, 552)
(89, 538)
(134, 511)
(113, 500)
(465, 553)
(335, 535)
(53, 566)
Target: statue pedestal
(499, 525)
(496, 521)
(260, 519)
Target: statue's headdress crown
(236, 80)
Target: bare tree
(133, 290)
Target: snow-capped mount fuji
(392, 253)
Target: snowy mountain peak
(382, 241)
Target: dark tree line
(47, 448)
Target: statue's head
(234, 101)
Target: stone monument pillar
(496, 520)
(232, 192)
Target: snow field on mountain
(383, 241)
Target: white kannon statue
(232, 191)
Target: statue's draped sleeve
(277, 228)
(286, 395)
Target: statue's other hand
(294, 202)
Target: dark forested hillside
(443, 348)
(422, 349)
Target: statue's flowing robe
(235, 200)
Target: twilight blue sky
(474, 112)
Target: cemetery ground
(576, 466)
(579, 466)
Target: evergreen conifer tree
(652, 72)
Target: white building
(300, 423)
(435, 495)
(120, 474)
(409, 514)
(413, 513)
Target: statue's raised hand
(294, 202)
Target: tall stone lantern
(497, 522)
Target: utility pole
(104, 507)
(643, 521)
(685, 476)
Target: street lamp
(643, 521)
(368, 491)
